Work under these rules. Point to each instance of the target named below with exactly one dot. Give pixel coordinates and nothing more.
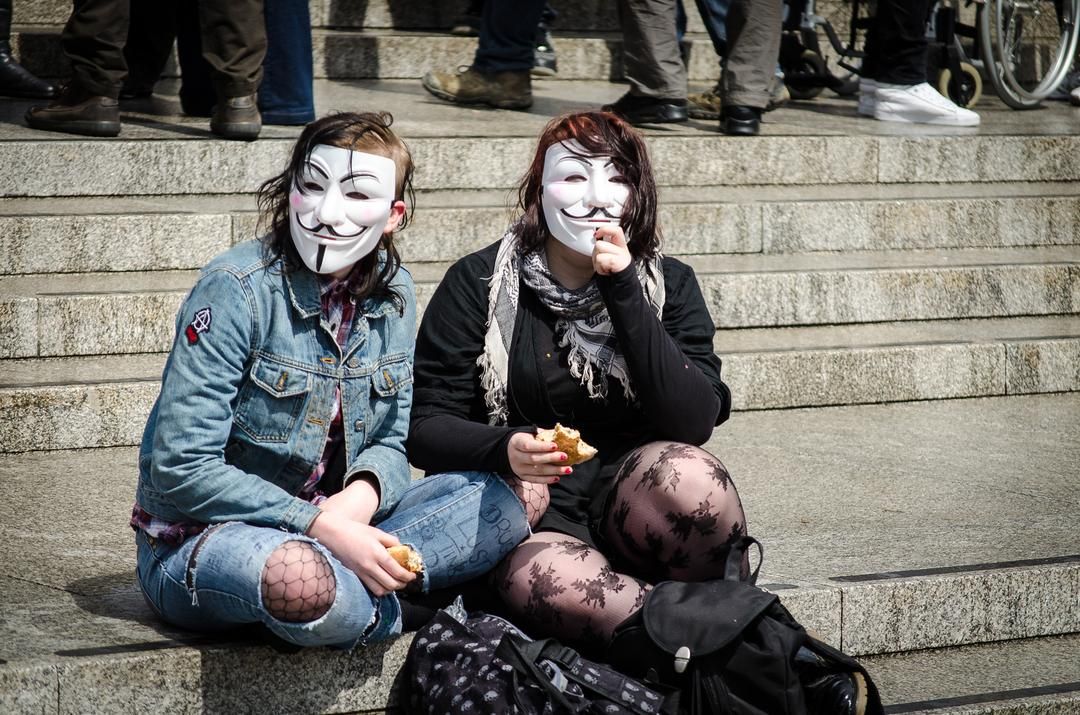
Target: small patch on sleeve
(198, 325)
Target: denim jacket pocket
(271, 400)
(389, 377)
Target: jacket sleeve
(675, 372)
(384, 457)
(449, 429)
(195, 415)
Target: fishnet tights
(298, 583)
(670, 515)
(534, 497)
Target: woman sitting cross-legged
(575, 317)
(272, 473)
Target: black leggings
(671, 514)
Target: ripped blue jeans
(462, 523)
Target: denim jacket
(248, 392)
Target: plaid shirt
(339, 308)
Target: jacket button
(354, 363)
(359, 425)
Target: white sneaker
(920, 104)
(1074, 97)
(867, 96)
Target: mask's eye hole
(312, 186)
(575, 178)
(357, 195)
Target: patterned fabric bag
(484, 664)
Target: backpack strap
(737, 553)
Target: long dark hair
(599, 133)
(357, 131)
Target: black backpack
(728, 647)
(484, 664)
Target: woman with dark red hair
(575, 317)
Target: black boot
(738, 120)
(827, 691)
(16, 80)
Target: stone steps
(102, 313)
(79, 402)
(878, 547)
(58, 235)
(836, 148)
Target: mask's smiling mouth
(608, 218)
(332, 234)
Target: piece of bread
(569, 441)
(408, 558)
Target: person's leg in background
(16, 80)
(500, 72)
(151, 33)
(196, 85)
(753, 31)
(544, 62)
(93, 40)
(897, 90)
(234, 45)
(286, 95)
(652, 64)
(706, 105)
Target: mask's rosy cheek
(368, 213)
(301, 203)
(563, 194)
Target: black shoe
(16, 80)
(648, 110)
(544, 64)
(237, 118)
(829, 692)
(76, 112)
(739, 120)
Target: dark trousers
(652, 63)
(286, 95)
(896, 42)
(155, 24)
(508, 35)
(233, 42)
(753, 39)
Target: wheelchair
(1025, 49)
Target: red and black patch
(198, 325)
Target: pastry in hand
(569, 441)
(407, 557)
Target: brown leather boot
(503, 90)
(78, 112)
(237, 118)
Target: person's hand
(610, 254)
(358, 502)
(534, 460)
(362, 549)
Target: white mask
(581, 193)
(339, 216)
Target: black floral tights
(672, 512)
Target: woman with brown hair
(273, 484)
(575, 317)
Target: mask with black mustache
(581, 193)
(339, 206)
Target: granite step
(877, 544)
(80, 402)
(823, 143)
(133, 312)
(78, 235)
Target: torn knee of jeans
(192, 564)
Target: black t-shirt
(679, 394)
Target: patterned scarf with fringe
(583, 323)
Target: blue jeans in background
(462, 523)
(508, 36)
(714, 14)
(286, 95)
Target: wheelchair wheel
(967, 88)
(805, 82)
(1027, 47)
